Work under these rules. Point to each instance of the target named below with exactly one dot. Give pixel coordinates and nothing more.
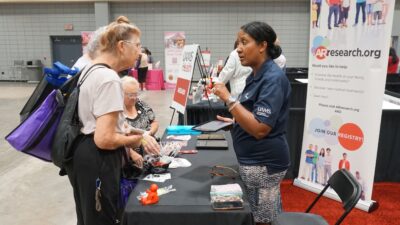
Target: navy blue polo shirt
(266, 95)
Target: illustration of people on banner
(348, 13)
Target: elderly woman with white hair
(137, 114)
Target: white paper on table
(179, 137)
(179, 162)
(302, 80)
(158, 177)
(389, 105)
(160, 191)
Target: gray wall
(25, 29)
(215, 25)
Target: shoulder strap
(98, 65)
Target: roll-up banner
(349, 47)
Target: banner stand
(346, 82)
(368, 206)
(172, 117)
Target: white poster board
(174, 42)
(347, 74)
(184, 78)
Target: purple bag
(35, 134)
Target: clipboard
(212, 126)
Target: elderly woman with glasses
(137, 114)
(95, 168)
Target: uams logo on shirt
(320, 47)
(261, 111)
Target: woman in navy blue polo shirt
(260, 115)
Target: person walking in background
(393, 62)
(150, 59)
(360, 5)
(320, 166)
(314, 14)
(334, 8)
(344, 163)
(260, 118)
(327, 166)
(95, 169)
(142, 68)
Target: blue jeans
(358, 7)
(335, 10)
(314, 173)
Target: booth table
(393, 83)
(190, 203)
(154, 79)
(388, 157)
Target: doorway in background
(66, 49)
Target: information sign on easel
(184, 78)
(190, 55)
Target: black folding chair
(348, 190)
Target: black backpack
(69, 127)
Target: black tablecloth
(298, 96)
(393, 83)
(388, 157)
(190, 203)
(299, 72)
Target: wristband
(233, 106)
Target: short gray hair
(129, 80)
(94, 43)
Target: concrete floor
(31, 191)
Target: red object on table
(152, 196)
(188, 151)
(154, 79)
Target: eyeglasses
(132, 95)
(137, 44)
